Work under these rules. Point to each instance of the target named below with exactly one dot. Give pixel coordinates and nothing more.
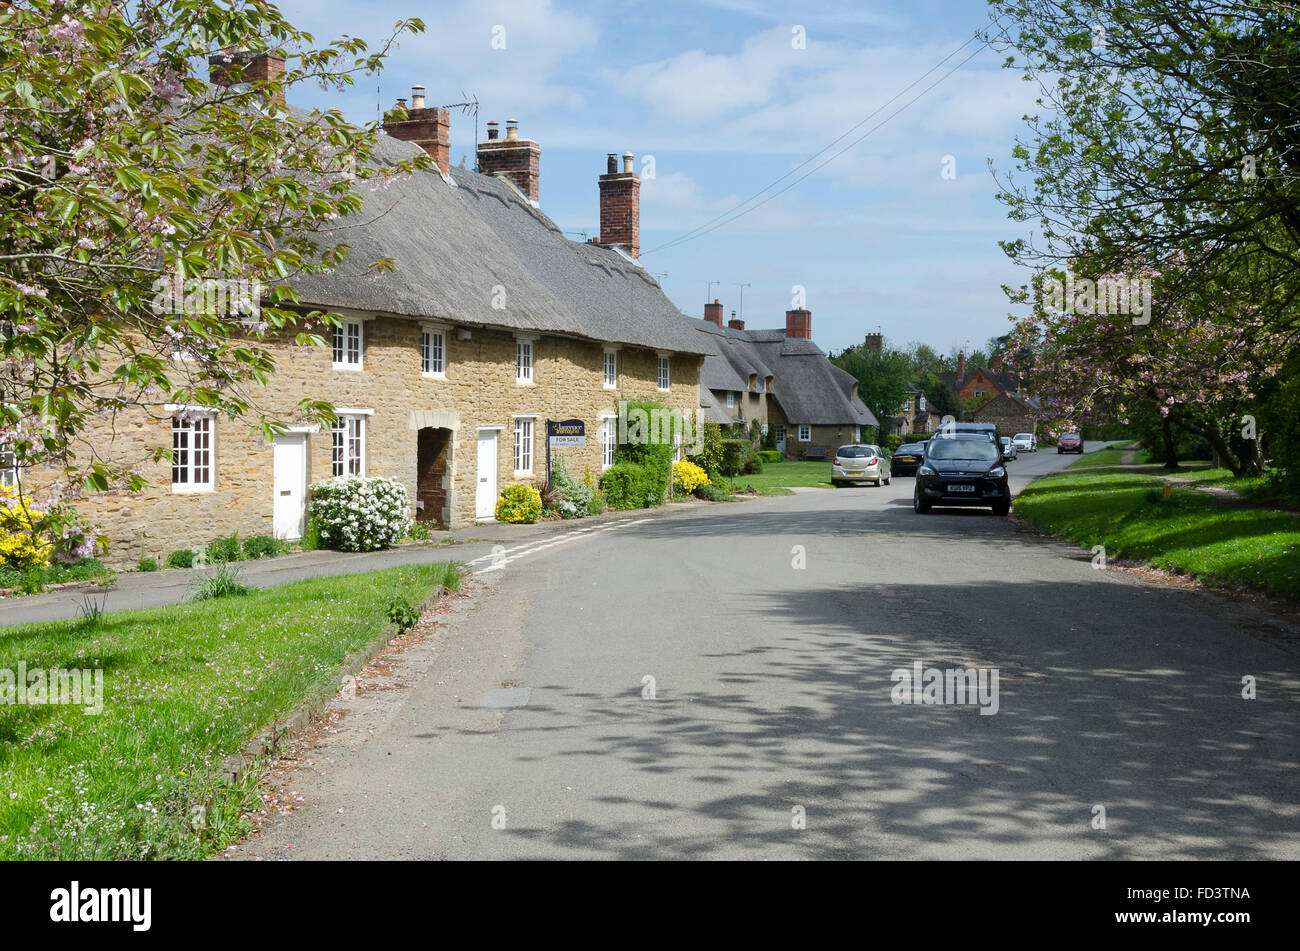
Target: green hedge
(769, 455)
(627, 485)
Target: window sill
(192, 489)
(349, 367)
(434, 376)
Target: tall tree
(884, 377)
(124, 166)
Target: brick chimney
(961, 364)
(734, 323)
(620, 208)
(798, 323)
(996, 364)
(713, 312)
(518, 158)
(243, 66)
(875, 342)
(429, 128)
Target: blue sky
(717, 94)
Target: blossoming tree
(122, 169)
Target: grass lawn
(1112, 456)
(183, 686)
(1192, 532)
(777, 475)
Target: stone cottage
(780, 379)
(445, 372)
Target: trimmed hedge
(627, 485)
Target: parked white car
(1025, 442)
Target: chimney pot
(239, 66)
(519, 159)
(798, 323)
(620, 208)
(611, 164)
(428, 128)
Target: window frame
(664, 379)
(731, 399)
(524, 444)
(10, 475)
(802, 437)
(610, 357)
(341, 461)
(608, 441)
(341, 344)
(524, 369)
(427, 336)
(186, 423)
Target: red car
(1069, 442)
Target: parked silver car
(1025, 442)
(860, 463)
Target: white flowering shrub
(355, 514)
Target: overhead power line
(735, 212)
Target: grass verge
(183, 686)
(780, 475)
(1191, 532)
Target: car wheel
(835, 483)
(1001, 508)
(919, 507)
(886, 480)
(877, 482)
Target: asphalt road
(773, 702)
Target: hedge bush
(627, 485)
(519, 504)
(22, 545)
(769, 455)
(655, 457)
(354, 514)
(687, 476)
(575, 497)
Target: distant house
(1012, 414)
(782, 380)
(980, 384)
(916, 415)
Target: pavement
(720, 682)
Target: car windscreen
(854, 452)
(1024, 436)
(980, 450)
(910, 447)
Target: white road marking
(501, 559)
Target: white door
(289, 512)
(486, 499)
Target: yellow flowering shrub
(20, 546)
(519, 503)
(687, 476)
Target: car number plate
(962, 488)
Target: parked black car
(962, 469)
(907, 458)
